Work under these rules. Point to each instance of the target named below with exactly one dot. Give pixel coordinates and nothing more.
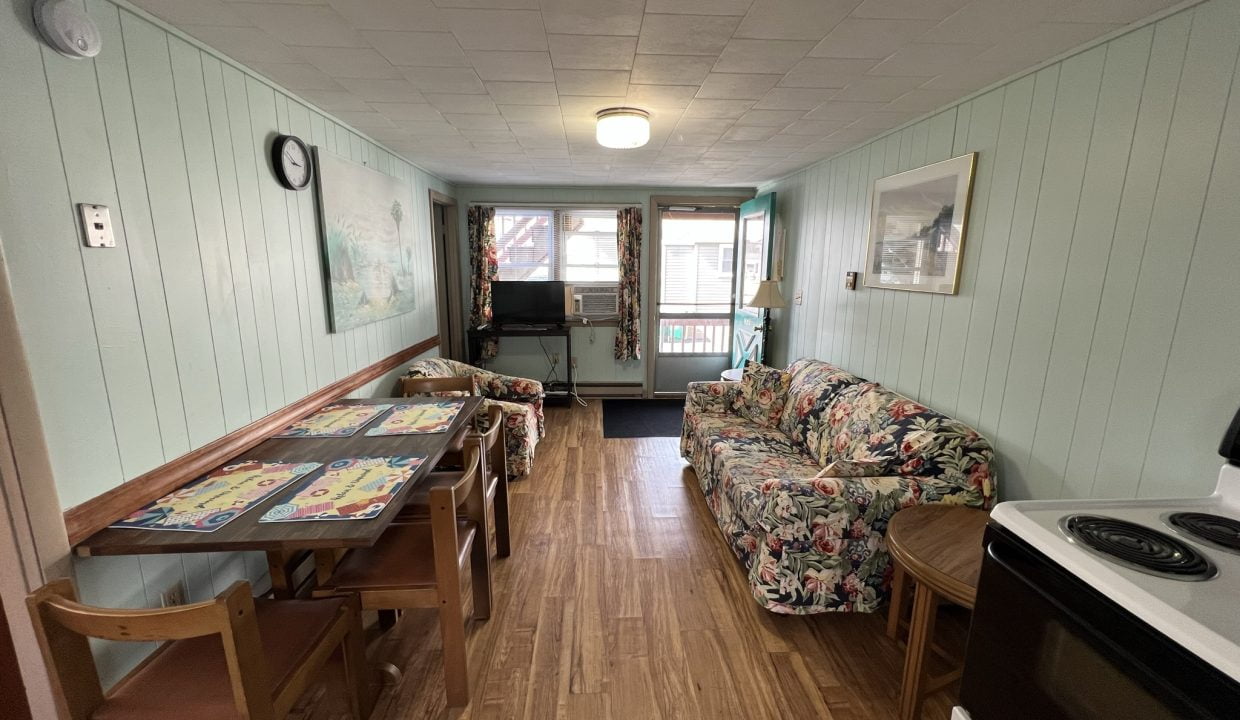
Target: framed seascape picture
(918, 221)
(367, 242)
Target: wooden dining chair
(419, 564)
(495, 476)
(229, 657)
(410, 386)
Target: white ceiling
(740, 91)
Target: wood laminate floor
(621, 600)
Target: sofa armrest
(711, 397)
(507, 387)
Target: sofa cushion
(763, 390)
(869, 421)
(812, 386)
(868, 467)
(743, 474)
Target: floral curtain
(629, 238)
(485, 267)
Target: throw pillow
(869, 467)
(763, 392)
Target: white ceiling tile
(382, 90)
(494, 4)
(529, 113)
(309, 25)
(722, 109)
(855, 135)
(793, 19)
(197, 12)
(444, 80)
(685, 34)
(592, 52)
(770, 118)
(363, 120)
(704, 126)
(788, 141)
(523, 93)
(428, 49)
(927, 59)
(408, 112)
(350, 62)
(869, 37)
(498, 29)
(723, 86)
(583, 108)
(750, 132)
(698, 7)
(993, 18)
(297, 76)
(418, 15)
(761, 56)
(922, 100)
(781, 98)
(335, 100)
(478, 122)
(874, 88)
(825, 72)
(247, 45)
(814, 128)
(1022, 50)
(593, 17)
(671, 69)
(908, 9)
(592, 82)
(472, 104)
(430, 129)
(519, 66)
(1119, 12)
(848, 111)
(661, 96)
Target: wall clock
(292, 163)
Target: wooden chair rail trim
(82, 521)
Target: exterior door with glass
(753, 255)
(696, 262)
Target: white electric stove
(1110, 608)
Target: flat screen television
(532, 302)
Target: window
(725, 260)
(576, 245)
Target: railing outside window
(696, 334)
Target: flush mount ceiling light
(622, 128)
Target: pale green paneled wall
(210, 311)
(1096, 333)
(595, 358)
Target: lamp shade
(622, 128)
(767, 296)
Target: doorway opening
(448, 297)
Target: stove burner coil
(1138, 547)
(1216, 530)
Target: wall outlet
(797, 298)
(173, 596)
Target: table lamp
(766, 298)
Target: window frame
(558, 252)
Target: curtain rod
(553, 204)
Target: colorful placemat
(209, 503)
(336, 420)
(424, 417)
(349, 489)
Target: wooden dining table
(284, 542)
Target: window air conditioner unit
(595, 302)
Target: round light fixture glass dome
(622, 128)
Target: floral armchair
(804, 499)
(520, 399)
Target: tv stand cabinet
(477, 335)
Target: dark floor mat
(642, 418)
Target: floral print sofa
(521, 400)
(813, 543)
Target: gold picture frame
(918, 225)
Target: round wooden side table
(938, 547)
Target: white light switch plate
(96, 226)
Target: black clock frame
(277, 161)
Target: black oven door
(1043, 645)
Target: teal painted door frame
(755, 237)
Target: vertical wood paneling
(210, 311)
(1094, 335)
